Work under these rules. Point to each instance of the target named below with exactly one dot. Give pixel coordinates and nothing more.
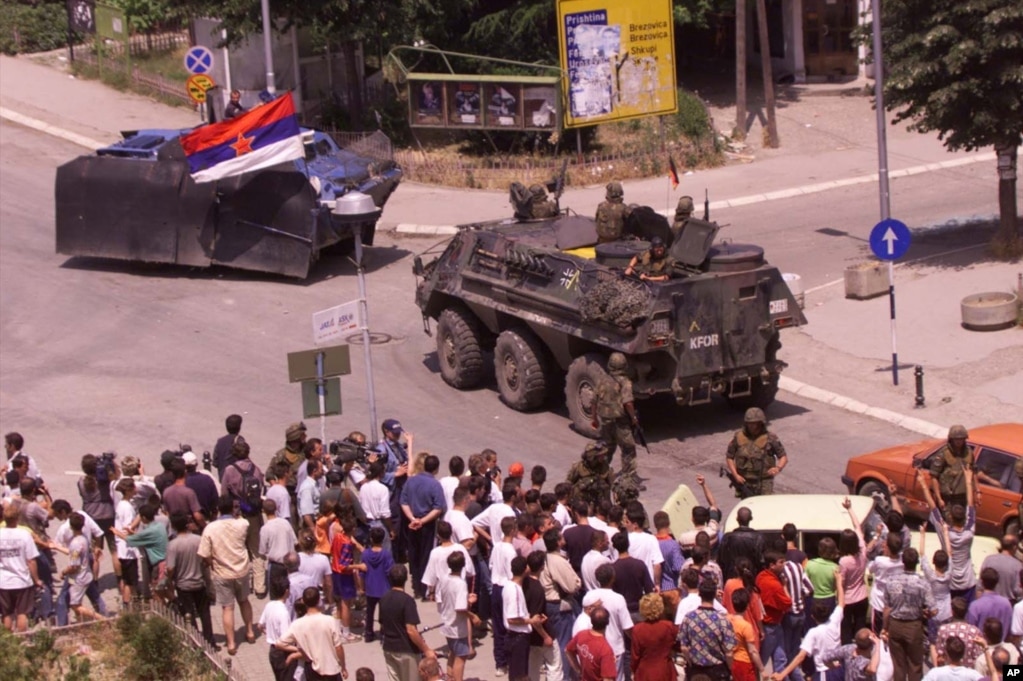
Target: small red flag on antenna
(672, 172)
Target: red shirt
(774, 597)
(595, 656)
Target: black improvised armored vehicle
(135, 200)
(551, 303)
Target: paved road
(97, 355)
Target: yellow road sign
(197, 86)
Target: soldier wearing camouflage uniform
(615, 414)
(755, 456)
(590, 477)
(539, 206)
(291, 453)
(652, 265)
(612, 214)
(948, 469)
(683, 212)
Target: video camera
(345, 452)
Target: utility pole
(765, 65)
(739, 133)
(268, 54)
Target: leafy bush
(159, 651)
(32, 27)
(692, 120)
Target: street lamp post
(268, 54)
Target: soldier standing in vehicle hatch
(755, 456)
(683, 212)
(615, 414)
(652, 265)
(612, 214)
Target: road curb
(855, 406)
(425, 230)
(43, 126)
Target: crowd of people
(349, 544)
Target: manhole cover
(375, 338)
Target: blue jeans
(772, 647)
(44, 567)
(497, 623)
(64, 601)
(792, 636)
(483, 587)
(561, 623)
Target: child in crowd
(375, 564)
(342, 560)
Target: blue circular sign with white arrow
(198, 60)
(889, 240)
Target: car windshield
(810, 539)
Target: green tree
(956, 67)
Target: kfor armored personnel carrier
(551, 304)
(135, 200)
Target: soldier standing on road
(683, 212)
(292, 454)
(653, 265)
(948, 470)
(612, 214)
(755, 456)
(615, 414)
(590, 477)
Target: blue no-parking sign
(199, 60)
(890, 239)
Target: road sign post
(320, 396)
(889, 240)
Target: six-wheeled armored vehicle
(135, 200)
(551, 304)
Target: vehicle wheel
(458, 349)
(877, 490)
(520, 365)
(580, 384)
(761, 394)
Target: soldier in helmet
(948, 470)
(683, 212)
(612, 214)
(652, 265)
(755, 456)
(590, 477)
(539, 205)
(615, 414)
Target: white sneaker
(500, 672)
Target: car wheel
(584, 373)
(458, 349)
(879, 492)
(520, 364)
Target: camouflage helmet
(957, 432)
(614, 190)
(595, 456)
(537, 191)
(755, 415)
(624, 489)
(685, 205)
(617, 362)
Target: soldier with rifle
(615, 415)
(755, 456)
(590, 477)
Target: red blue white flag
(262, 137)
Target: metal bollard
(919, 373)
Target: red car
(996, 449)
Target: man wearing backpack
(243, 482)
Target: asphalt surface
(99, 355)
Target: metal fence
(74, 635)
(495, 172)
(375, 145)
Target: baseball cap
(190, 459)
(293, 431)
(516, 470)
(393, 426)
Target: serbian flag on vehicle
(262, 137)
(672, 172)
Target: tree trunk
(1010, 228)
(353, 83)
(739, 133)
(765, 65)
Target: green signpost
(112, 24)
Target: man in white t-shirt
(614, 603)
(318, 638)
(375, 499)
(517, 622)
(642, 545)
(690, 583)
(453, 602)
(501, 557)
(62, 512)
(462, 531)
(437, 564)
(594, 559)
(18, 576)
(456, 466)
(274, 623)
(489, 522)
